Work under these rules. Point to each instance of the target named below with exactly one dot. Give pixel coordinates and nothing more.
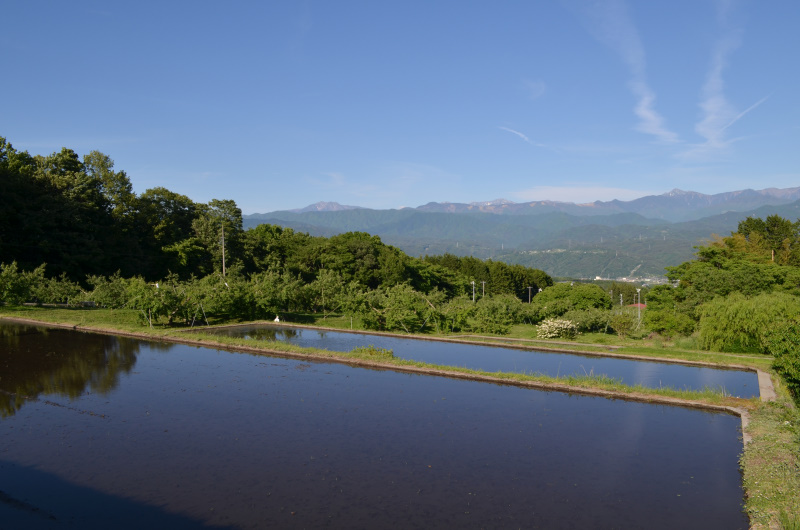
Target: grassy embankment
(770, 462)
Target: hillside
(560, 243)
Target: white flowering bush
(554, 328)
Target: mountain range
(614, 239)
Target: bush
(578, 295)
(108, 292)
(16, 286)
(588, 320)
(783, 342)
(57, 291)
(736, 323)
(497, 313)
(557, 329)
(623, 321)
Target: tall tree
(164, 221)
(219, 223)
(115, 186)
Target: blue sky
(385, 104)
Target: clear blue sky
(385, 104)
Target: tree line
(72, 228)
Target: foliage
(561, 298)
(552, 328)
(761, 257)
(496, 314)
(666, 312)
(495, 277)
(772, 238)
(737, 323)
(17, 286)
(57, 291)
(783, 342)
(456, 313)
(108, 291)
(623, 321)
(627, 291)
(588, 320)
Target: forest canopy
(70, 226)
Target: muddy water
(648, 374)
(184, 437)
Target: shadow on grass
(33, 499)
(299, 318)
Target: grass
(771, 466)
(770, 463)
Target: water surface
(505, 359)
(182, 437)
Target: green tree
(115, 186)
(218, 227)
(782, 341)
(667, 312)
(164, 221)
(562, 297)
(17, 286)
(623, 320)
(496, 314)
(737, 323)
(627, 290)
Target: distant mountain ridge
(325, 207)
(674, 206)
(608, 239)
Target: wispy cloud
(524, 137)
(718, 114)
(578, 194)
(611, 24)
(748, 109)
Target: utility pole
(473, 291)
(530, 290)
(639, 307)
(483, 289)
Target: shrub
(588, 320)
(736, 323)
(497, 313)
(783, 342)
(17, 286)
(623, 321)
(57, 291)
(108, 292)
(557, 329)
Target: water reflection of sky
(195, 436)
(649, 374)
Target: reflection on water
(38, 361)
(496, 359)
(197, 436)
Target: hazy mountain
(609, 239)
(325, 207)
(676, 205)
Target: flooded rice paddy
(737, 383)
(98, 428)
